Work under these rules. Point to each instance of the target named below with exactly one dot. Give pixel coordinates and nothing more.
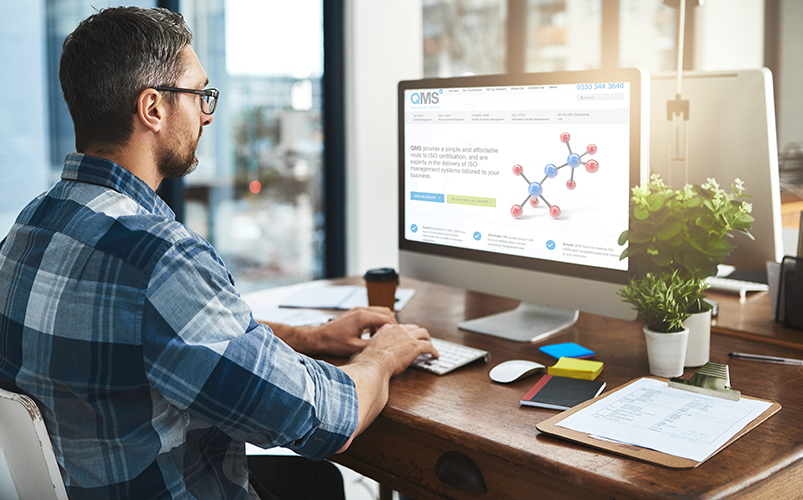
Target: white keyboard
(452, 356)
(733, 285)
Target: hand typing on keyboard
(387, 353)
(452, 356)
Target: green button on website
(470, 200)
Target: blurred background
(297, 174)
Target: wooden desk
(465, 412)
(753, 318)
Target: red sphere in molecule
(533, 202)
(592, 148)
(564, 137)
(554, 211)
(516, 211)
(592, 166)
(571, 185)
(517, 169)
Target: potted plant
(662, 302)
(686, 230)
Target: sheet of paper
(292, 317)
(339, 297)
(650, 414)
(321, 297)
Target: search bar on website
(600, 97)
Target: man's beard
(172, 164)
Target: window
(470, 37)
(648, 35)
(464, 37)
(257, 192)
(36, 130)
(563, 35)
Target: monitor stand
(526, 323)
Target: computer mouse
(515, 369)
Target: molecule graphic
(535, 189)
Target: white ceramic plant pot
(666, 352)
(699, 345)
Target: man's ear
(151, 109)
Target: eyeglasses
(208, 97)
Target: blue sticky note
(567, 350)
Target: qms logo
(426, 97)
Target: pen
(769, 359)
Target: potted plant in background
(686, 230)
(662, 302)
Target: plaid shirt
(148, 367)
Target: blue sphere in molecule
(551, 171)
(574, 160)
(535, 189)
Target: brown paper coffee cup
(381, 286)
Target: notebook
(561, 393)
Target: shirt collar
(94, 170)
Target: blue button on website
(433, 197)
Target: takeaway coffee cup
(381, 285)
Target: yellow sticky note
(576, 368)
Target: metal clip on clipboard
(712, 379)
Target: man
(125, 326)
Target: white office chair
(28, 468)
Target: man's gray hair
(108, 60)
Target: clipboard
(549, 426)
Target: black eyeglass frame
(210, 96)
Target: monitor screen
(531, 173)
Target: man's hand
(395, 347)
(386, 354)
(340, 337)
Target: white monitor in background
(473, 154)
(731, 133)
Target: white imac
(519, 186)
(730, 133)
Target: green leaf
(641, 213)
(661, 260)
(693, 261)
(640, 237)
(695, 245)
(623, 237)
(670, 230)
(656, 201)
(721, 249)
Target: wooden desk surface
(752, 317)
(466, 412)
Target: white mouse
(515, 369)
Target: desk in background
(464, 412)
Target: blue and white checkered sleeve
(205, 354)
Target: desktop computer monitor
(730, 133)
(519, 186)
